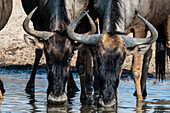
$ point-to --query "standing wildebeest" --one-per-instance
(44, 24)
(118, 16)
(58, 47)
(5, 12)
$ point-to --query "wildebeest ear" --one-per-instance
(139, 50)
(33, 42)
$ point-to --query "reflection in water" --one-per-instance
(138, 106)
(32, 101)
(1, 102)
(159, 105)
(16, 100)
(57, 109)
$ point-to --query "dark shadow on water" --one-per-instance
(19, 69)
(42, 70)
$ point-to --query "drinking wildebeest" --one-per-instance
(5, 12)
(111, 55)
(117, 17)
(28, 6)
(55, 17)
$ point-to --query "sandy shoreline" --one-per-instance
(14, 51)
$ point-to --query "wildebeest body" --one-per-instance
(54, 16)
(123, 13)
(5, 12)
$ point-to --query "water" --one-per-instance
(16, 100)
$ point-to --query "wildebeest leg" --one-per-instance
(168, 36)
(145, 67)
(80, 65)
(137, 65)
(136, 74)
(146, 60)
(95, 64)
(1, 96)
(2, 90)
(84, 68)
(71, 88)
(30, 87)
(2, 87)
(160, 52)
(96, 82)
(89, 70)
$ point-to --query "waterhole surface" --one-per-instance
(16, 100)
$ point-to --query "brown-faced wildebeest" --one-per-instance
(5, 12)
(111, 53)
(58, 49)
(117, 17)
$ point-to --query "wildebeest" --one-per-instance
(117, 17)
(28, 6)
(5, 12)
(55, 16)
(111, 52)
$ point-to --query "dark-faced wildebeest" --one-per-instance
(44, 24)
(5, 12)
(117, 17)
(54, 17)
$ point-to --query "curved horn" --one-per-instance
(132, 42)
(86, 39)
(93, 26)
(41, 34)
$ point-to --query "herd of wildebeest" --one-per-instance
(98, 30)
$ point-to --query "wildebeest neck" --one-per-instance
(61, 12)
(112, 12)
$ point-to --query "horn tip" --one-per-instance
(87, 12)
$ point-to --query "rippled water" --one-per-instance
(16, 100)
